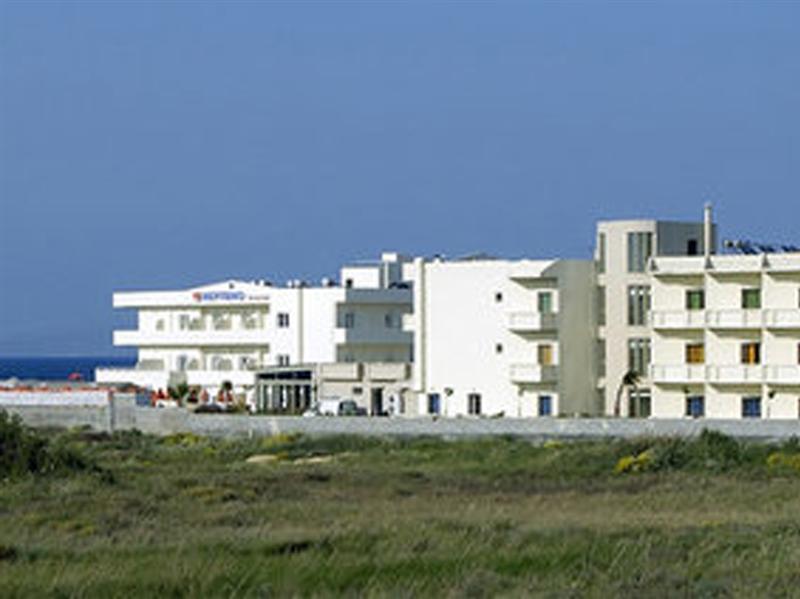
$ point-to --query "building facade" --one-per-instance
(656, 324)
(229, 331)
(726, 336)
(500, 337)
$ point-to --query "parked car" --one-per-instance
(335, 406)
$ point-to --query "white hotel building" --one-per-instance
(231, 330)
(691, 333)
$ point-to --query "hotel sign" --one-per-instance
(218, 296)
(228, 296)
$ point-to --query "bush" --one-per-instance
(25, 452)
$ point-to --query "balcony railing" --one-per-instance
(533, 373)
(734, 319)
(678, 373)
(782, 319)
(783, 374)
(678, 319)
(736, 373)
(531, 321)
(191, 338)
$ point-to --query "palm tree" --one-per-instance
(629, 379)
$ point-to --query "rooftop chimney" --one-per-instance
(708, 230)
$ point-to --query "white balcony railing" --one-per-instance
(191, 338)
(782, 319)
(533, 373)
(678, 319)
(735, 373)
(531, 321)
(783, 374)
(387, 371)
(734, 319)
(341, 371)
(678, 373)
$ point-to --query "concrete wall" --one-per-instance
(125, 416)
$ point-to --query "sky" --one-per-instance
(158, 145)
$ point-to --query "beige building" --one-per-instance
(726, 336)
(624, 295)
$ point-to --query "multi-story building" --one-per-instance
(657, 324)
(726, 336)
(510, 337)
(624, 295)
(228, 331)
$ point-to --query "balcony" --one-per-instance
(341, 371)
(736, 374)
(734, 319)
(785, 374)
(533, 373)
(387, 371)
(186, 338)
(678, 373)
(371, 335)
(531, 322)
(678, 266)
(782, 319)
(677, 319)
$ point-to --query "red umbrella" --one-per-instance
(75, 376)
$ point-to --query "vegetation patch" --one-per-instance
(708, 516)
(24, 451)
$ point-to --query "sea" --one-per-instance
(58, 368)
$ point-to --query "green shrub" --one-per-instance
(24, 452)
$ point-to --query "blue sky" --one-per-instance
(155, 145)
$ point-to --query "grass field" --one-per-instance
(185, 516)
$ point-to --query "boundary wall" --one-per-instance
(122, 413)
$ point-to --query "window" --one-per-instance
(544, 355)
(696, 406)
(283, 320)
(283, 359)
(348, 283)
(183, 322)
(798, 353)
(498, 297)
(601, 253)
(751, 353)
(601, 357)
(388, 320)
(692, 247)
(160, 324)
(638, 355)
(638, 304)
(358, 390)
(434, 403)
(695, 353)
(545, 405)
(601, 305)
(751, 407)
(498, 348)
(349, 320)
(545, 302)
(751, 299)
(474, 403)
(640, 248)
(695, 299)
